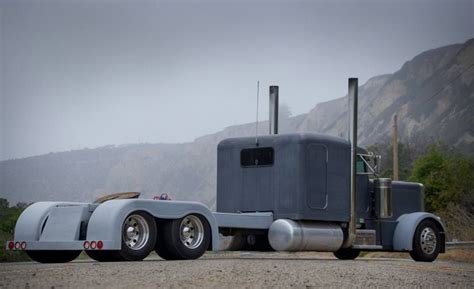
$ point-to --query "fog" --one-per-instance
(78, 74)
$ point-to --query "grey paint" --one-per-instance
(29, 224)
(53, 245)
(64, 223)
(405, 230)
(106, 221)
(244, 220)
(385, 231)
(407, 197)
(294, 187)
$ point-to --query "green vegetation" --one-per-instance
(8, 217)
(448, 178)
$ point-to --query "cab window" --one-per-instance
(360, 165)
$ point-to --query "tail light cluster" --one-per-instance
(93, 245)
(16, 245)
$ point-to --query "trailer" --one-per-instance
(278, 192)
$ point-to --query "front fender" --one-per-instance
(405, 229)
(106, 222)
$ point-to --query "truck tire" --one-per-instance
(426, 242)
(104, 256)
(346, 254)
(160, 246)
(185, 238)
(138, 237)
(53, 256)
(259, 243)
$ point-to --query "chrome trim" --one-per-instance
(353, 103)
(191, 232)
(136, 232)
(273, 120)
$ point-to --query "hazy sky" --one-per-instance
(78, 74)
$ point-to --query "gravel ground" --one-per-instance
(241, 270)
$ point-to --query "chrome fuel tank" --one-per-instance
(288, 235)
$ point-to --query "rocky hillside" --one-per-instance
(433, 95)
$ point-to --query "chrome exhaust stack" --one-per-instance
(353, 103)
(273, 120)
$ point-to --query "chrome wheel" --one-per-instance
(191, 231)
(136, 232)
(428, 240)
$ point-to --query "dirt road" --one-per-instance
(241, 270)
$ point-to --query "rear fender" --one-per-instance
(406, 227)
(106, 222)
(30, 223)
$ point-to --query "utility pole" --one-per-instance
(395, 147)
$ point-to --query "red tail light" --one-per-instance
(86, 245)
(23, 245)
(100, 245)
(11, 245)
(93, 245)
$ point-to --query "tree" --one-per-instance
(448, 178)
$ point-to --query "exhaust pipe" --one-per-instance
(353, 98)
(273, 110)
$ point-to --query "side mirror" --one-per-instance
(372, 161)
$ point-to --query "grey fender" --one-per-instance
(106, 221)
(29, 224)
(405, 229)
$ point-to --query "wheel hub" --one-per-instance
(191, 232)
(135, 232)
(428, 241)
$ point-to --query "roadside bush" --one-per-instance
(8, 217)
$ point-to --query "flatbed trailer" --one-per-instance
(289, 192)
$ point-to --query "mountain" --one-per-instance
(432, 94)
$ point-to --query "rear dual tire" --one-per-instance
(183, 239)
(138, 240)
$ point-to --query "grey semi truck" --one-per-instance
(278, 192)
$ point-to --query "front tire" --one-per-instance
(185, 238)
(426, 242)
(346, 254)
(53, 256)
